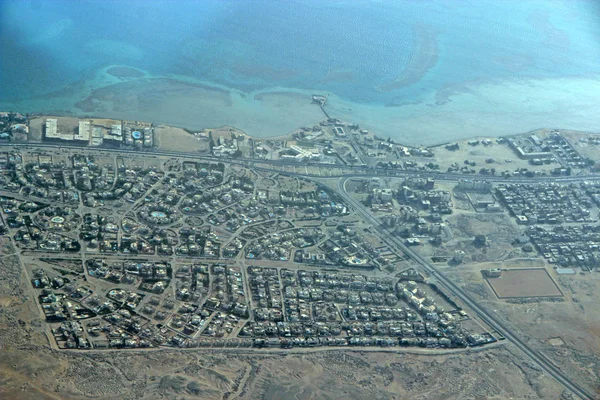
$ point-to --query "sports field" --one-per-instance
(529, 282)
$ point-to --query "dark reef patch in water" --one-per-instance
(125, 72)
(424, 58)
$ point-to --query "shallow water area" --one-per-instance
(420, 72)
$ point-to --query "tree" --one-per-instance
(527, 248)
(480, 240)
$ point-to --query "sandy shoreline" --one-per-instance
(493, 108)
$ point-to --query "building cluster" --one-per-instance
(381, 199)
(547, 203)
(91, 132)
(58, 219)
(102, 232)
(316, 144)
(266, 227)
(13, 126)
(153, 277)
(420, 210)
(158, 214)
(39, 177)
(239, 214)
(279, 246)
(83, 176)
(548, 148)
(226, 147)
(475, 185)
(8, 171)
(198, 241)
(214, 201)
(311, 308)
(564, 151)
(215, 300)
(33, 229)
(422, 194)
(199, 192)
(70, 335)
(561, 219)
(343, 246)
(568, 245)
(590, 139)
(300, 154)
(101, 184)
(58, 306)
(341, 143)
(530, 148)
(192, 282)
(62, 304)
(320, 203)
(135, 133)
(152, 232)
(314, 134)
(210, 302)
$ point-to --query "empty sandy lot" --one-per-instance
(530, 282)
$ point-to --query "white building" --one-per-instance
(84, 132)
(52, 129)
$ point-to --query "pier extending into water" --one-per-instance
(321, 101)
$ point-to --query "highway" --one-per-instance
(360, 171)
(486, 316)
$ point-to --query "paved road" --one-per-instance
(357, 171)
(489, 318)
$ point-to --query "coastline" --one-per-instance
(492, 109)
(480, 108)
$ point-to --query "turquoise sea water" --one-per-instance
(416, 70)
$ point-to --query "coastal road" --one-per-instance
(358, 171)
(486, 316)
